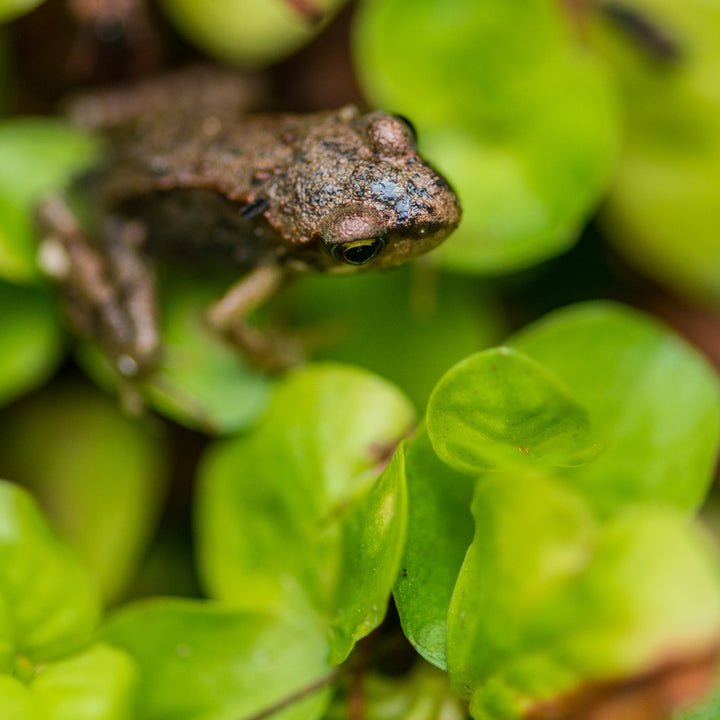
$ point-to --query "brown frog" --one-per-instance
(190, 175)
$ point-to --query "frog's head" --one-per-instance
(395, 207)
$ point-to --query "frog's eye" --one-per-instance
(358, 252)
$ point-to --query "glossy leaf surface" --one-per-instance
(498, 407)
(200, 661)
(440, 530)
(310, 468)
(653, 401)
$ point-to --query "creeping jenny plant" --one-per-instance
(535, 525)
(583, 569)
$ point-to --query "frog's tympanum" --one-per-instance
(271, 195)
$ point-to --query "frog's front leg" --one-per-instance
(108, 290)
(229, 317)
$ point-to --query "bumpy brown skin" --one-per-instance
(277, 188)
(190, 175)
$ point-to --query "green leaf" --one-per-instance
(52, 604)
(202, 383)
(30, 339)
(39, 155)
(520, 117)
(408, 325)
(10, 9)
(499, 407)
(199, 661)
(373, 536)
(548, 603)
(663, 210)
(530, 537)
(16, 700)
(653, 400)
(421, 694)
(439, 532)
(249, 33)
(98, 684)
(286, 512)
(100, 475)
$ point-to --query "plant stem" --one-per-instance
(297, 695)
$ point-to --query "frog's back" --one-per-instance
(276, 187)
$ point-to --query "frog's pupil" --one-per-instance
(360, 254)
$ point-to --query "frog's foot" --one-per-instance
(228, 316)
(108, 296)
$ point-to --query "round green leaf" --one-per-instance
(548, 603)
(439, 532)
(286, 512)
(663, 210)
(199, 661)
(249, 33)
(52, 603)
(100, 475)
(499, 407)
(30, 339)
(98, 684)
(653, 400)
(516, 113)
(38, 155)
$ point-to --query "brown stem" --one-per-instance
(356, 664)
(647, 35)
(298, 695)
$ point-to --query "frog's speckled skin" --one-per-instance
(301, 177)
(189, 174)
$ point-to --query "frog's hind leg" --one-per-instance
(108, 295)
(229, 316)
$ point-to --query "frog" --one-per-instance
(191, 175)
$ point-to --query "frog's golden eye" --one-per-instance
(358, 252)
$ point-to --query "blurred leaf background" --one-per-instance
(583, 139)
